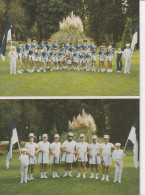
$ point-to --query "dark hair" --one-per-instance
(20, 42)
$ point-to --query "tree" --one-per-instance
(127, 34)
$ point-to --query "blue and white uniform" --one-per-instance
(78, 48)
(76, 57)
(55, 57)
(49, 47)
(82, 58)
(37, 57)
(44, 57)
(101, 56)
(85, 48)
(52, 58)
(93, 56)
(28, 46)
(31, 55)
(19, 51)
(71, 49)
(61, 57)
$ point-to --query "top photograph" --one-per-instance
(69, 48)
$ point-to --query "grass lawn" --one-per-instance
(10, 181)
(70, 83)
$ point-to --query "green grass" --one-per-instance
(70, 83)
(10, 181)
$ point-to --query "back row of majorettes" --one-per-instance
(33, 57)
(69, 152)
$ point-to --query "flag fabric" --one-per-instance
(133, 137)
(7, 37)
(13, 140)
(134, 39)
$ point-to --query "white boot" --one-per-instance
(45, 176)
(65, 174)
(31, 176)
(92, 176)
(28, 177)
(79, 175)
(70, 175)
(97, 176)
(41, 175)
(56, 175)
(107, 177)
(103, 177)
(84, 175)
(53, 174)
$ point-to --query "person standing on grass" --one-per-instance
(119, 62)
(101, 55)
(43, 157)
(19, 50)
(82, 150)
(105, 153)
(55, 150)
(68, 148)
(24, 159)
(127, 56)
(13, 59)
(94, 157)
(109, 57)
(32, 148)
(117, 156)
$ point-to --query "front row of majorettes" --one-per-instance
(72, 152)
(33, 57)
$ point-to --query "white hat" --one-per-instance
(117, 144)
(127, 45)
(70, 134)
(94, 136)
(56, 135)
(24, 149)
(82, 135)
(44, 135)
(106, 137)
(31, 135)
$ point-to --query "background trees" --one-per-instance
(103, 20)
(114, 117)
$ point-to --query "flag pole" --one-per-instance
(126, 144)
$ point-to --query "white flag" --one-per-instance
(134, 39)
(133, 137)
(13, 140)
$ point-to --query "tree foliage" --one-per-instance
(113, 117)
(103, 20)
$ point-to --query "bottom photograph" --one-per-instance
(71, 146)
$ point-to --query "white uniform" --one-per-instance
(24, 159)
(127, 55)
(118, 155)
(13, 58)
(69, 146)
(56, 150)
(31, 149)
(106, 151)
(82, 150)
(94, 150)
(43, 156)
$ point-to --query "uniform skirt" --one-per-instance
(32, 161)
(68, 158)
(83, 157)
(56, 160)
(107, 160)
(95, 160)
(43, 158)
